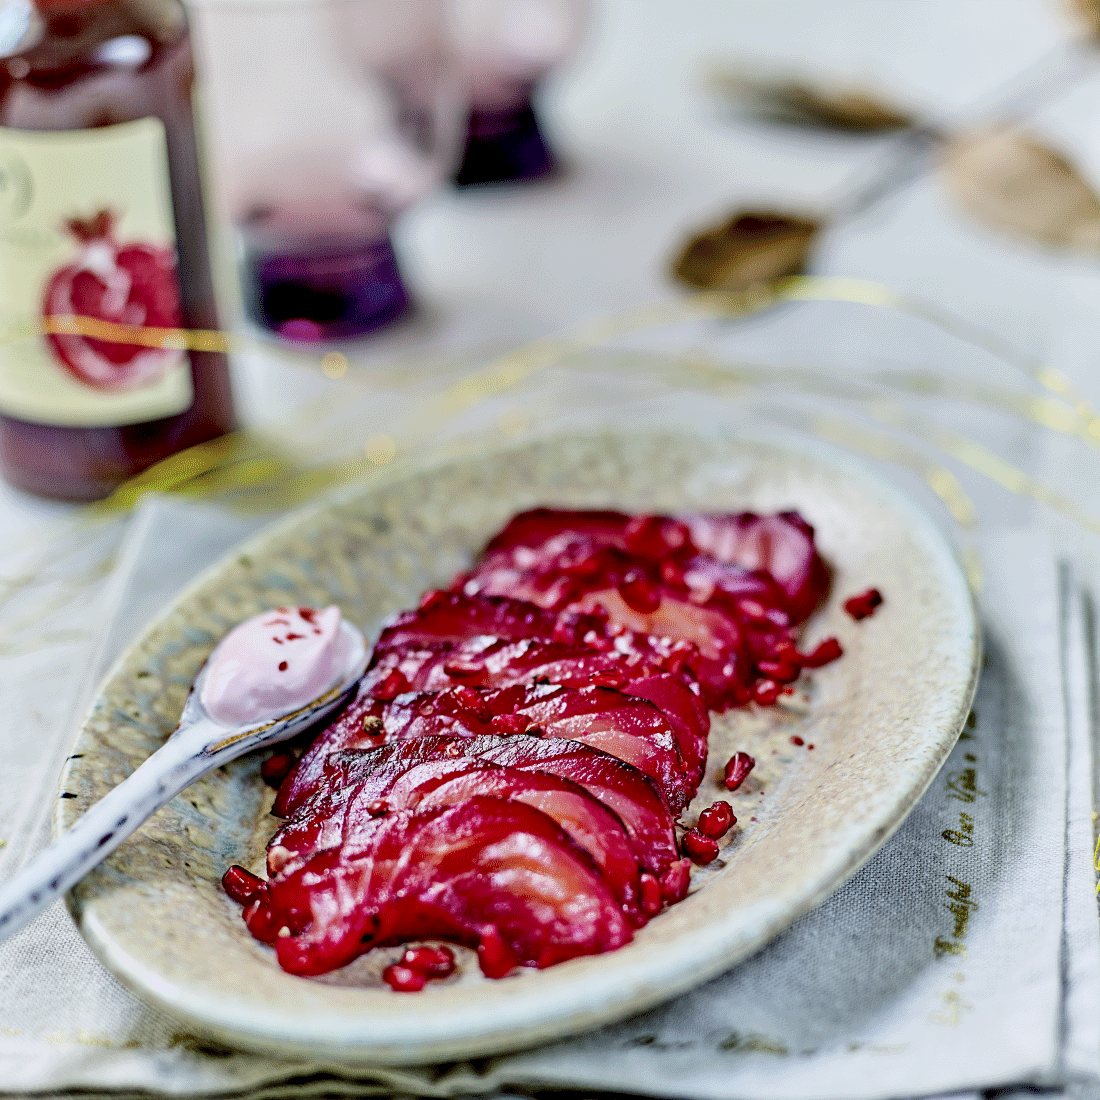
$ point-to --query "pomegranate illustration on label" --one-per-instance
(131, 284)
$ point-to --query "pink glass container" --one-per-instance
(506, 48)
(327, 118)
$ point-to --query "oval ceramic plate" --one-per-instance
(881, 721)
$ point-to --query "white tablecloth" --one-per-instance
(652, 156)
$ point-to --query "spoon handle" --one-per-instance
(176, 764)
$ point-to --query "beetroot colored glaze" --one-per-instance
(508, 774)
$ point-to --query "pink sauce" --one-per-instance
(274, 664)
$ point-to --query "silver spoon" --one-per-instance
(197, 745)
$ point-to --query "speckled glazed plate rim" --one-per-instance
(680, 950)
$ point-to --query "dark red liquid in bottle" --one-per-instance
(85, 64)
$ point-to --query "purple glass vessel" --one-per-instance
(504, 144)
(324, 290)
(346, 114)
(507, 47)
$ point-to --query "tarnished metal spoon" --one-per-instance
(197, 745)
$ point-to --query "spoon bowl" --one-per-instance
(197, 745)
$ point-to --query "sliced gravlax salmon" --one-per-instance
(453, 617)
(633, 728)
(507, 776)
(491, 873)
(624, 789)
(393, 698)
(356, 787)
(489, 662)
(692, 612)
(649, 536)
(586, 820)
(781, 545)
(369, 721)
(372, 774)
(720, 660)
(538, 525)
(323, 823)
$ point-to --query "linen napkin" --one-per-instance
(964, 955)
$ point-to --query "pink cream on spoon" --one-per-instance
(274, 664)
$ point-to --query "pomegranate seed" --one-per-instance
(652, 897)
(676, 880)
(453, 748)
(716, 820)
(509, 725)
(472, 701)
(699, 848)
(277, 767)
(829, 650)
(765, 692)
(402, 979)
(737, 770)
(782, 672)
(378, 808)
(863, 605)
(393, 684)
(494, 956)
(638, 593)
(241, 885)
(574, 626)
(741, 694)
(796, 740)
(432, 962)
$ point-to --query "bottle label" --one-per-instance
(88, 254)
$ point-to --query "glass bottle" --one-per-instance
(101, 217)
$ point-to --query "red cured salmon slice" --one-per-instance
(486, 870)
